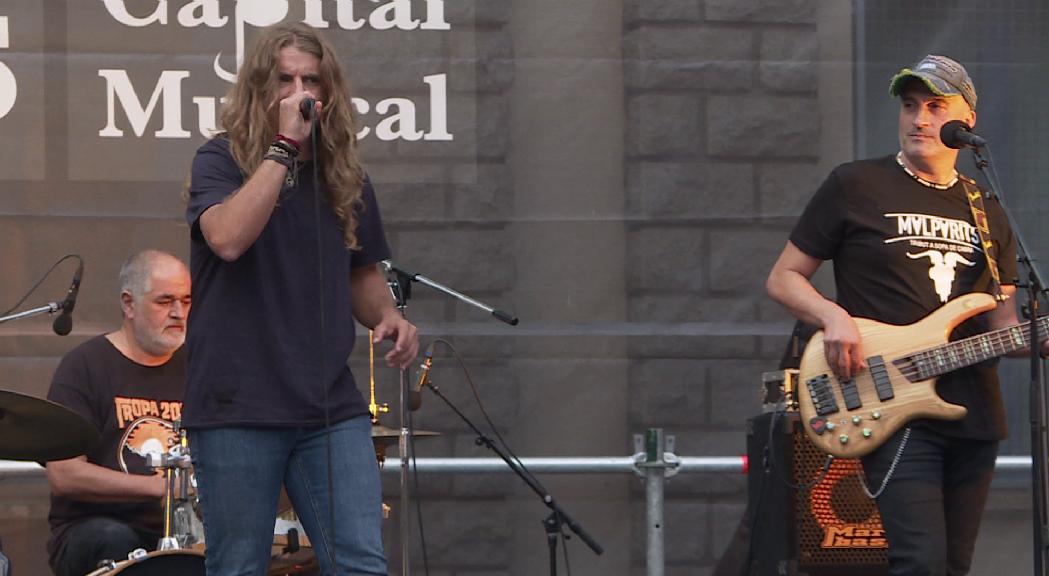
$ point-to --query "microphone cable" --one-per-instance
(769, 464)
(415, 490)
(315, 158)
(520, 466)
(423, 381)
(36, 285)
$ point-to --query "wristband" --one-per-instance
(280, 156)
(293, 142)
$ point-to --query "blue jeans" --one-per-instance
(239, 472)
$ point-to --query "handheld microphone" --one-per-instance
(957, 134)
(306, 108)
(63, 323)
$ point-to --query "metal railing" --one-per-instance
(653, 460)
(10, 469)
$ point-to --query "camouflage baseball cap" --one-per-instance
(943, 76)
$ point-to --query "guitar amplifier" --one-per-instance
(801, 526)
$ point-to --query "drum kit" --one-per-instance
(181, 549)
(33, 429)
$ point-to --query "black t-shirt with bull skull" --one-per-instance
(902, 249)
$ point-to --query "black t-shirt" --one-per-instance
(255, 339)
(901, 250)
(133, 407)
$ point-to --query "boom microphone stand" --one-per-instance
(553, 524)
(49, 308)
(404, 276)
(63, 324)
(1035, 286)
(401, 287)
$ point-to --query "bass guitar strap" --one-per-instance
(983, 228)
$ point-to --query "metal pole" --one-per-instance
(654, 460)
(654, 478)
(15, 470)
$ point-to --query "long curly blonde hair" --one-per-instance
(250, 122)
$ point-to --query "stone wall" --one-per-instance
(623, 176)
(723, 146)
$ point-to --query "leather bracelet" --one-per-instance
(282, 160)
(280, 156)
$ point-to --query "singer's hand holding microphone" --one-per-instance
(296, 115)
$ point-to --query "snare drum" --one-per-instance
(159, 563)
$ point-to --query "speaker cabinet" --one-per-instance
(802, 523)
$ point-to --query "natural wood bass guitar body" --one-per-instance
(851, 418)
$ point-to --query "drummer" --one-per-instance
(129, 383)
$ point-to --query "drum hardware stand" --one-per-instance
(176, 463)
(401, 287)
(552, 524)
(109, 565)
(293, 541)
(375, 408)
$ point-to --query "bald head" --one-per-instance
(136, 275)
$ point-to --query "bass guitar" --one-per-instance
(850, 418)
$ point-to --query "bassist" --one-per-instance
(900, 231)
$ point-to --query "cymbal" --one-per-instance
(383, 436)
(36, 429)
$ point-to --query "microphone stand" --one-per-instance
(553, 524)
(400, 283)
(66, 304)
(50, 308)
(401, 289)
(1035, 288)
(405, 276)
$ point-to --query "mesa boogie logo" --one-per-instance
(864, 528)
(139, 103)
(850, 536)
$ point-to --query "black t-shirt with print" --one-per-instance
(901, 250)
(133, 406)
(258, 353)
